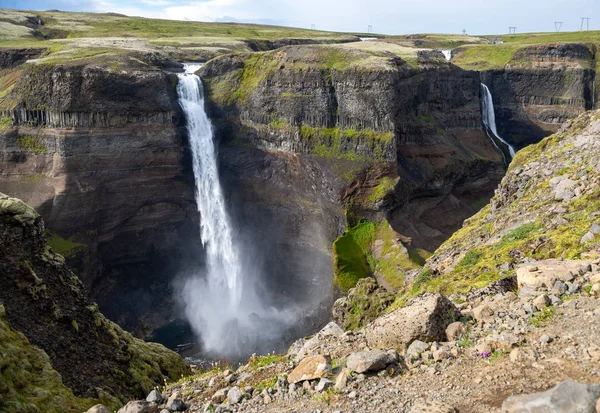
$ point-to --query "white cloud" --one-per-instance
(157, 2)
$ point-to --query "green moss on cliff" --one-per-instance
(350, 254)
(32, 144)
(381, 190)
(62, 246)
(336, 143)
(28, 383)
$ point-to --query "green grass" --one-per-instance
(465, 341)
(262, 361)
(32, 144)
(65, 247)
(5, 123)
(381, 190)
(350, 252)
(543, 317)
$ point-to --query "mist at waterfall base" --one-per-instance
(225, 302)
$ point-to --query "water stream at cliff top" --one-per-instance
(489, 120)
(222, 309)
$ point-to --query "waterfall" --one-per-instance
(489, 120)
(221, 304)
(447, 54)
(216, 233)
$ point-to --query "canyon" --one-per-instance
(336, 160)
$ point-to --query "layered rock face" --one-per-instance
(425, 120)
(46, 302)
(98, 152)
(542, 87)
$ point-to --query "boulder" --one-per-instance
(155, 397)
(455, 331)
(176, 405)
(139, 407)
(423, 318)
(370, 361)
(342, 379)
(310, 368)
(219, 396)
(483, 312)
(567, 397)
(99, 408)
(234, 395)
(416, 348)
(547, 272)
(541, 302)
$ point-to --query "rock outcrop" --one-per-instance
(99, 154)
(48, 306)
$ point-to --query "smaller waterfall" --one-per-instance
(447, 54)
(489, 120)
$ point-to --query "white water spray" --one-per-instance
(447, 54)
(222, 310)
(489, 120)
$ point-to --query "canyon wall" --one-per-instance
(310, 137)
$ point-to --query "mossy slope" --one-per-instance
(528, 217)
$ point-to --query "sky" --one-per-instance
(385, 16)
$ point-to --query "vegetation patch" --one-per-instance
(350, 252)
(262, 361)
(33, 144)
(381, 190)
(65, 247)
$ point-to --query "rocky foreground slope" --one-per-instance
(533, 331)
(58, 352)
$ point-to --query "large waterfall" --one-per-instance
(221, 303)
(489, 120)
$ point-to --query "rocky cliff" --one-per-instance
(49, 326)
(95, 147)
(540, 88)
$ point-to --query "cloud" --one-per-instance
(156, 2)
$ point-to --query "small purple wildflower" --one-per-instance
(485, 354)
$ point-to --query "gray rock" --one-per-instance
(176, 405)
(220, 396)
(139, 407)
(282, 383)
(416, 348)
(546, 339)
(155, 397)
(595, 229)
(559, 288)
(541, 302)
(423, 318)
(554, 300)
(369, 361)
(235, 395)
(573, 287)
(324, 384)
(567, 397)
(587, 237)
(99, 408)
(565, 189)
(455, 331)
(342, 379)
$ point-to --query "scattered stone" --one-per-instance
(423, 318)
(546, 339)
(595, 229)
(324, 384)
(176, 405)
(567, 397)
(139, 407)
(595, 290)
(554, 300)
(417, 348)
(282, 383)
(455, 331)
(310, 368)
(441, 354)
(587, 237)
(235, 395)
(352, 395)
(370, 361)
(432, 407)
(548, 270)
(342, 379)
(541, 302)
(220, 396)
(505, 340)
(99, 408)
(155, 397)
(483, 312)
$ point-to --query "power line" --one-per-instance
(587, 23)
(512, 30)
(557, 26)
